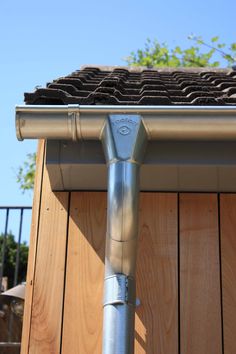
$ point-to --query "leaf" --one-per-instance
(229, 58)
(221, 45)
(26, 173)
(215, 64)
(178, 50)
(215, 39)
(233, 46)
(200, 41)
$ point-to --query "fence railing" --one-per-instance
(17, 221)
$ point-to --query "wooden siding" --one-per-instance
(85, 272)
(200, 306)
(33, 247)
(228, 255)
(186, 272)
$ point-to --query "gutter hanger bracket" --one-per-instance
(73, 122)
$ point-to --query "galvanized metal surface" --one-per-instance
(161, 122)
(119, 289)
(9, 344)
(124, 146)
(118, 338)
(167, 166)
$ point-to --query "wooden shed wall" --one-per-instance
(186, 272)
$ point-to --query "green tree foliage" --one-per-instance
(200, 54)
(10, 259)
(26, 173)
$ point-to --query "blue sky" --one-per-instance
(40, 41)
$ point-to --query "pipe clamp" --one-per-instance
(119, 289)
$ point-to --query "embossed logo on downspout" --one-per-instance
(124, 125)
(124, 121)
(124, 130)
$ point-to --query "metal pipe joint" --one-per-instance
(119, 289)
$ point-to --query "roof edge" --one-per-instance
(139, 69)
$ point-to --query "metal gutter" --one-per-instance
(75, 122)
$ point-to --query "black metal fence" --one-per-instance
(17, 213)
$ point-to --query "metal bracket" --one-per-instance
(119, 289)
(73, 120)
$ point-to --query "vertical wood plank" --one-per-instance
(46, 321)
(32, 248)
(157, 269)
(82, 328)
(157, 317)
(200, 301)
(228, 257)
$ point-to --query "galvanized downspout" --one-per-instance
(124, 145)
